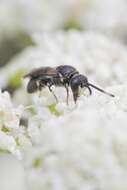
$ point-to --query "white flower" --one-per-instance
(9, 116)
(12, 134)
(85, 148)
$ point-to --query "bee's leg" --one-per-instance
(75, 92)
(67, 90)
(39, 88)
(50, 89)
(90, 91)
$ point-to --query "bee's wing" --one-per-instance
(50, 71)
(42, 71)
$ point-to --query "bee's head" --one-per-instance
(76, 82)
(79, 81)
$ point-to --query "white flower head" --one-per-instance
(10, 129)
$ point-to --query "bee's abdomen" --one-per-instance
(32, 86)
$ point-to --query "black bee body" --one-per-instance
(72, 78)
(63, 76)
(66, 72)
(42, 77)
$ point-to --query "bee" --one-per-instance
(62, 76)
(72, 78)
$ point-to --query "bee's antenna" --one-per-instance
(101, 90)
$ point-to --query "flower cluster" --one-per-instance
(54, 146)
(82, 148)
(79, 146)
(12, 134)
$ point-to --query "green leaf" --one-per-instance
(52, 108)
(17, 141)
(3, 151)
(16, 79)
(5, 129)
(37, 162)
(72, 24)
